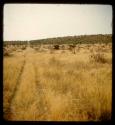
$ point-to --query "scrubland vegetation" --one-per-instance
(58, 82)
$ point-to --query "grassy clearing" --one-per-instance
(62, 86)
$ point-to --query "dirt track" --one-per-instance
(26, 83)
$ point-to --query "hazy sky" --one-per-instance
(36, 21)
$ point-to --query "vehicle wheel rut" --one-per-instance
(8, 112)
(25, 92)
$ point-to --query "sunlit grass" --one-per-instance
(61, 87)
(10, 78)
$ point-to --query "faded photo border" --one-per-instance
(103, 2)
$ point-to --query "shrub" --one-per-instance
(23, 48)
(6, 52)
(72, 48)
(98, 57)
(56, 47)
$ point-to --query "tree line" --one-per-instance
(87, 39)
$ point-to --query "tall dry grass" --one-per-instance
(11, 74)
(62, 87)
(77, 90)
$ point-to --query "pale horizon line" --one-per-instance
(60, 36)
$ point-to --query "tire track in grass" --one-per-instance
(8, 112)
(18, 80)
(23, 105)
(27, 102)
(41, 105)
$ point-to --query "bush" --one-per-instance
(98, 57)
(6, 52)
(56, 47)
(23, 48)
(72, 48)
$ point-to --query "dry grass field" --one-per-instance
(58, 85)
